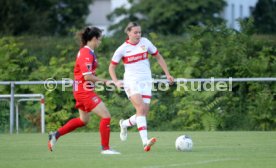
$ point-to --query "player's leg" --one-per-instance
(131, 121)
(84, 103)
(104, 128)
(70, 126)
(142, 108)
(130, 88)
(141, 121)
(146, 95)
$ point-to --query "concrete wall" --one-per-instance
(236, 9)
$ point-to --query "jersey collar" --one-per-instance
(131, 43)
(89, 48)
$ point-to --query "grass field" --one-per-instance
(81, 150)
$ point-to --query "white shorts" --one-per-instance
(142, 87)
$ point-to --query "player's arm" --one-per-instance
(113, 64)
(113, 75)
(155, 53)
(86, 67)
(163, 65)
(92, 78)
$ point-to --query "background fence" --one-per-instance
(30, 97)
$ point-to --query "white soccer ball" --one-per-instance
(184, 143)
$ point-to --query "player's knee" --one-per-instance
(106, 114)
(85, 119)
(146, 108)
(141, 110)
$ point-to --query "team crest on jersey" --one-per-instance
(89, 66)
(143, 47)
(95, 99)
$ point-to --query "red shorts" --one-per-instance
(87, 101)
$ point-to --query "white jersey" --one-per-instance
(135, 59)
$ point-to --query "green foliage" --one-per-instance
(29, 116)
(210, 121)
(169, 18)
(15, 61)
(264, 16)
(262, 107)
(59, 102)
(4, 115)
(216, 52)
(47, 17)
(204, 52)
(18, 65)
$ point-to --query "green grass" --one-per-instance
(81, 150)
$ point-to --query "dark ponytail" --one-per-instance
(88, 33)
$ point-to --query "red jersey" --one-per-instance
(86, 63)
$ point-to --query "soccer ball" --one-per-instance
(183, 143)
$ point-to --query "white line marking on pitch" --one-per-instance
(195, 163)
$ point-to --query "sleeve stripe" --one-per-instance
(86, 73)
(146, 96)
(113, 62)
(154, 54)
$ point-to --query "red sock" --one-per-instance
(105, 132)
(70, 126)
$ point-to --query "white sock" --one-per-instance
(130, 122)
(142, 128)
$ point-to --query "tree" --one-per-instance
(169, 17)
(264, 16)
(42, 17)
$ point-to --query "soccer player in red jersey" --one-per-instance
(87, 101)
(137, 79)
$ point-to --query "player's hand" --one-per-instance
(170, 79)
(119, 84)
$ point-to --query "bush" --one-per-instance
(204, 52)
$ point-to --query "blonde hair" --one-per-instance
(130, 25)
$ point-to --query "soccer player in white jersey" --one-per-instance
(137, 79)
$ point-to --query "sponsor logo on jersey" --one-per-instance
(135, 58)
(89, 66)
